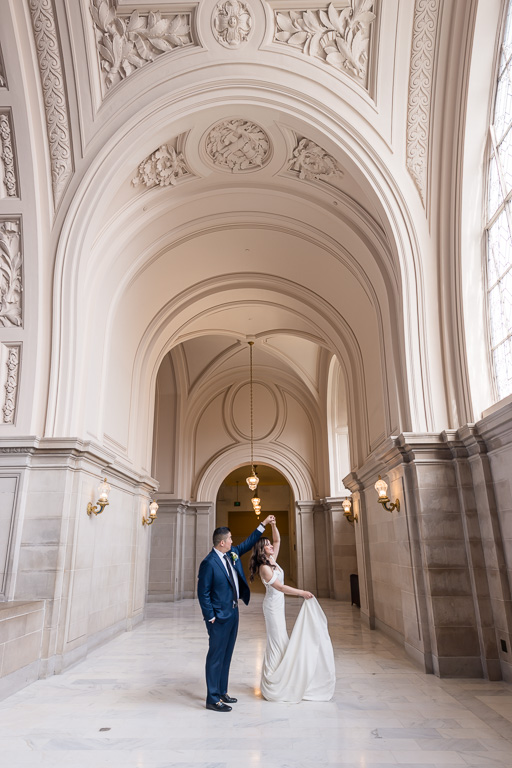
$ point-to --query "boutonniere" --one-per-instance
(234, 556)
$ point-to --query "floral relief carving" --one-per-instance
(126, 44)
(426, 15)
(237, 145)
(339, 35)
(232, 23)
(10, 274)
(11, 384)
(162, 168)
(313, 162)
(8, 186)
(54, 95)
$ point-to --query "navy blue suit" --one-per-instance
(217, 601)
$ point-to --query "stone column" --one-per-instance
(167, 552)
(341, 542)
(306, 567)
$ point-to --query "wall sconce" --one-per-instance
(153, 509)
(347, 506)
(382, 489)
(103, 490)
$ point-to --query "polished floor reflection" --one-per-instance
(139, 702)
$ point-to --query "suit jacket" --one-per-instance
(214, 589)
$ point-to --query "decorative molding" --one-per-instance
(127, 42)
(11, 382)
(339, 37)
(3, 79)
(314, 163)
(54, 94)
(231, 23)
(426, 17)
(162, 168)
(237, 145)
(8, 184)
(10, 274)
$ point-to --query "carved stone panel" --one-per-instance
(10, 274)
(237, 145)
(339, 35)
(313, 162)
(426, 15)
(127, 42)
(231, 23)
(54, 94)
(10, 355)
(162, 168)
(8, 181)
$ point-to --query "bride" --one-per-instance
(302, 666)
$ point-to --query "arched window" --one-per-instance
(499, 221)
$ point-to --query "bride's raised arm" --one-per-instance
(269, 576)
(276, 539)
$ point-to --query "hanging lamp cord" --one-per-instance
(251, 344)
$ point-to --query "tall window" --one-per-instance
(499, 221)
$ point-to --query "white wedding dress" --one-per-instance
(302, 666)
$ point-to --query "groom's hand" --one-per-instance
(270, 519)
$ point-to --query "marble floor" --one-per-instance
(138, 702)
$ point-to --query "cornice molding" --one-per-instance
(54, 94)
(426, 17)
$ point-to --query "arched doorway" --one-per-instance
(234, 509)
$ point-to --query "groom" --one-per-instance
(221, 582)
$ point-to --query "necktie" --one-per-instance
(231, 577)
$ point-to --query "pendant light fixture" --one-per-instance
(253, 479)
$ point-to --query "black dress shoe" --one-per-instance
(228, 699)
(219, 706)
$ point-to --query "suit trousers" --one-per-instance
(222, 636)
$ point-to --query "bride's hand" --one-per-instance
(307, 595)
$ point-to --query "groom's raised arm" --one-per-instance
(251, 540)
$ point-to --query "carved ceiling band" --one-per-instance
(237, 145)
(11, 384)
(8, 183)
(339, 35)
(231, 23)
(54, 94)
(10, 274)
(127, 43)
(314, 163)
(426, 16)
(162, 168)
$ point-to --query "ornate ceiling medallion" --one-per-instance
(126, 44)
(313, 162)
(237, 145)
(163, 168)
(231, 23)
(338, 36)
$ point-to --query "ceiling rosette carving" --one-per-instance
(339, 35)
(231, 23)
(237, 145)
(314, 163)
(10, 274)
(162, 168)
(127, 43)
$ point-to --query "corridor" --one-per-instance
(138, 702)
